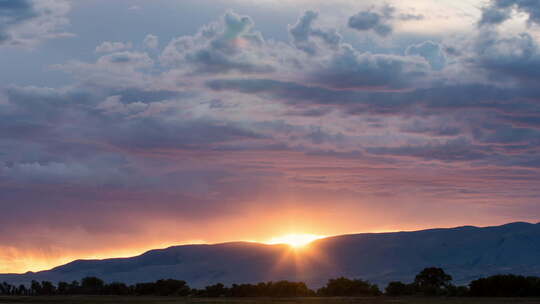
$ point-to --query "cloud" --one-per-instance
(370, 21)
(229, 45)
(151, 41)
(26, 23)
(409, 17)
(499, 11)
(109, 47)
(493, 15)
(12, 13)
(113, 105)
(459, 149)
(128, 59)
(219, 124)
(380, 20)
(435, 127)
(303, 32)
(431, 51)
(431, 100)
(117, 70)
(517, 56)
(348, 68)
(149, 133)
(55, 173)
(507, 134)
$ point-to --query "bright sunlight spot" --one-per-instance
(295, 240)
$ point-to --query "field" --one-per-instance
(170, 300)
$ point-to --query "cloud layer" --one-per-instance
(27, 22)
(340, 122)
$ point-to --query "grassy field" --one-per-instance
(170, 300)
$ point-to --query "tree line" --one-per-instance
(431, 281)
(434, 281)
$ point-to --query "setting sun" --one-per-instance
(295, 240)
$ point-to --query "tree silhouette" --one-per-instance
(171, 287)
(47, 288)
(92, 285)
(432, 281)
(214, 291)
(116, 288)
(288, 289)
(344, 287)
(399, 289)
(506, 286)
(6, 289)
(22, 290)
(35, 288)
(63, 288)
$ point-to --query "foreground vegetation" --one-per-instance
(304, 300)
(431, 282)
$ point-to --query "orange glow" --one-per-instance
(295, 240)
(284, 224)
(240, 43)
(21, 261)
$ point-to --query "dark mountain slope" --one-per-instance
(465, 252)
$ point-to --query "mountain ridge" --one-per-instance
(466, 252)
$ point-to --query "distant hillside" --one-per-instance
(465, 252)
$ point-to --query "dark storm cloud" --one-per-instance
(433, 99)
(472, 115)
(349, 69)
(25, 22)
(494, 15)
(516, 56)
(492, 150)
(152, 133)
(292, 93)
(499, 11)
(109, 121)
(13, 12)
(380, 20)
(128, 58)
(369, 20)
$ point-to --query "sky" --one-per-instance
(129, 125)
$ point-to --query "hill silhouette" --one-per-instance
(467, 252)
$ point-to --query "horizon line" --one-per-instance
(265, 244)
